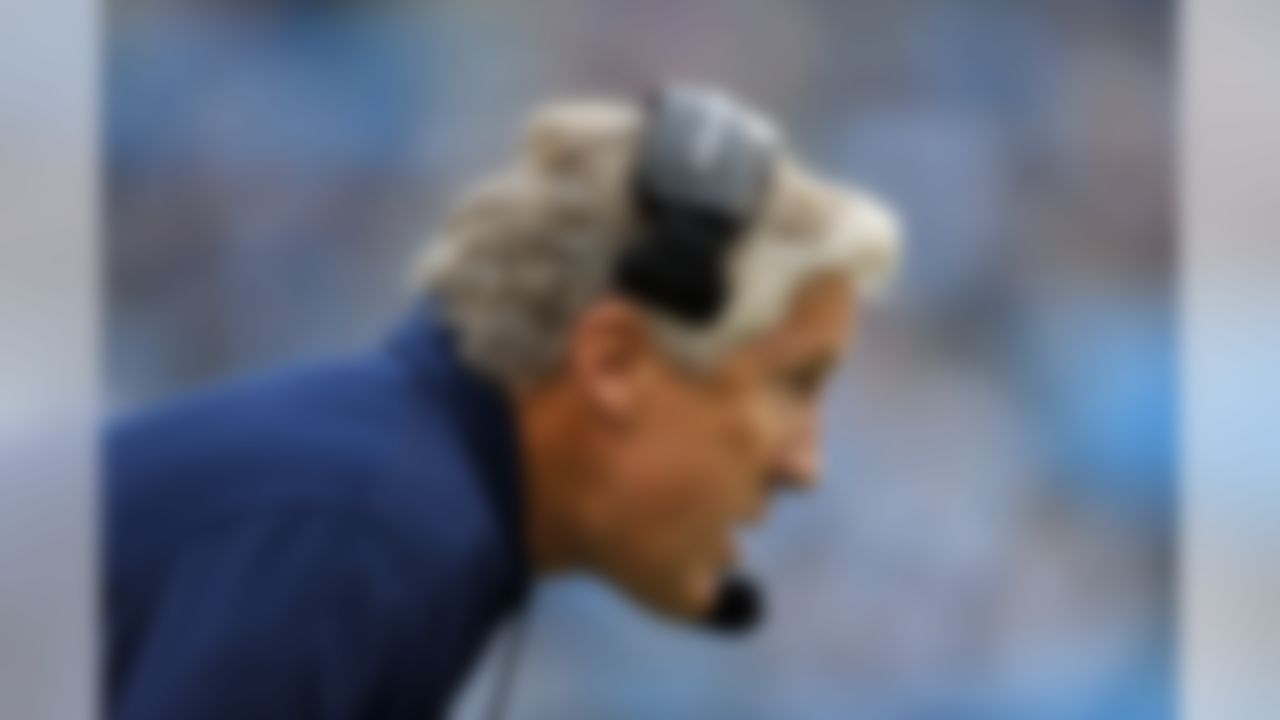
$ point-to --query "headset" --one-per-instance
(703, 170)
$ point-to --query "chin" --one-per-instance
(685, 597)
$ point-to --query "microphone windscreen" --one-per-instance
(739, 606)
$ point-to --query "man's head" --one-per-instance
(648, 438)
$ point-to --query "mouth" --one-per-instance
(756, 515)
(723, 551)
(730, 548)
(732, 539)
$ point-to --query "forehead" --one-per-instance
(819, 321)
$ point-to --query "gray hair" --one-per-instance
(530, 248)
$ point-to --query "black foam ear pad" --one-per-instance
(702, 171)
(738, 608)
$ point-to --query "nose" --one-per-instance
(800, 462)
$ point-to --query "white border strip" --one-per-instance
(1230, 201)
(48, 359)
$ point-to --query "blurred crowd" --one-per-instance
(993, 538)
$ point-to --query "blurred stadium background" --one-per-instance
(993, 538)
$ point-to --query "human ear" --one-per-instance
(610, 357)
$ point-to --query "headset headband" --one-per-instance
(703, 169)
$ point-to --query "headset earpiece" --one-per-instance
(702, 172)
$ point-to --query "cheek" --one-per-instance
(710, 459)
(684, 469)
(759, 427)
(745, 439)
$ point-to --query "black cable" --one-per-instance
(504, 674)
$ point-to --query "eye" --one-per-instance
(805, 382)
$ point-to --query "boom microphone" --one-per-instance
(738, 608)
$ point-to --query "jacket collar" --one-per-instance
(482, 412)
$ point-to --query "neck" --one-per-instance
(558, 487)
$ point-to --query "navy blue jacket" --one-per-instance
(332, 542)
